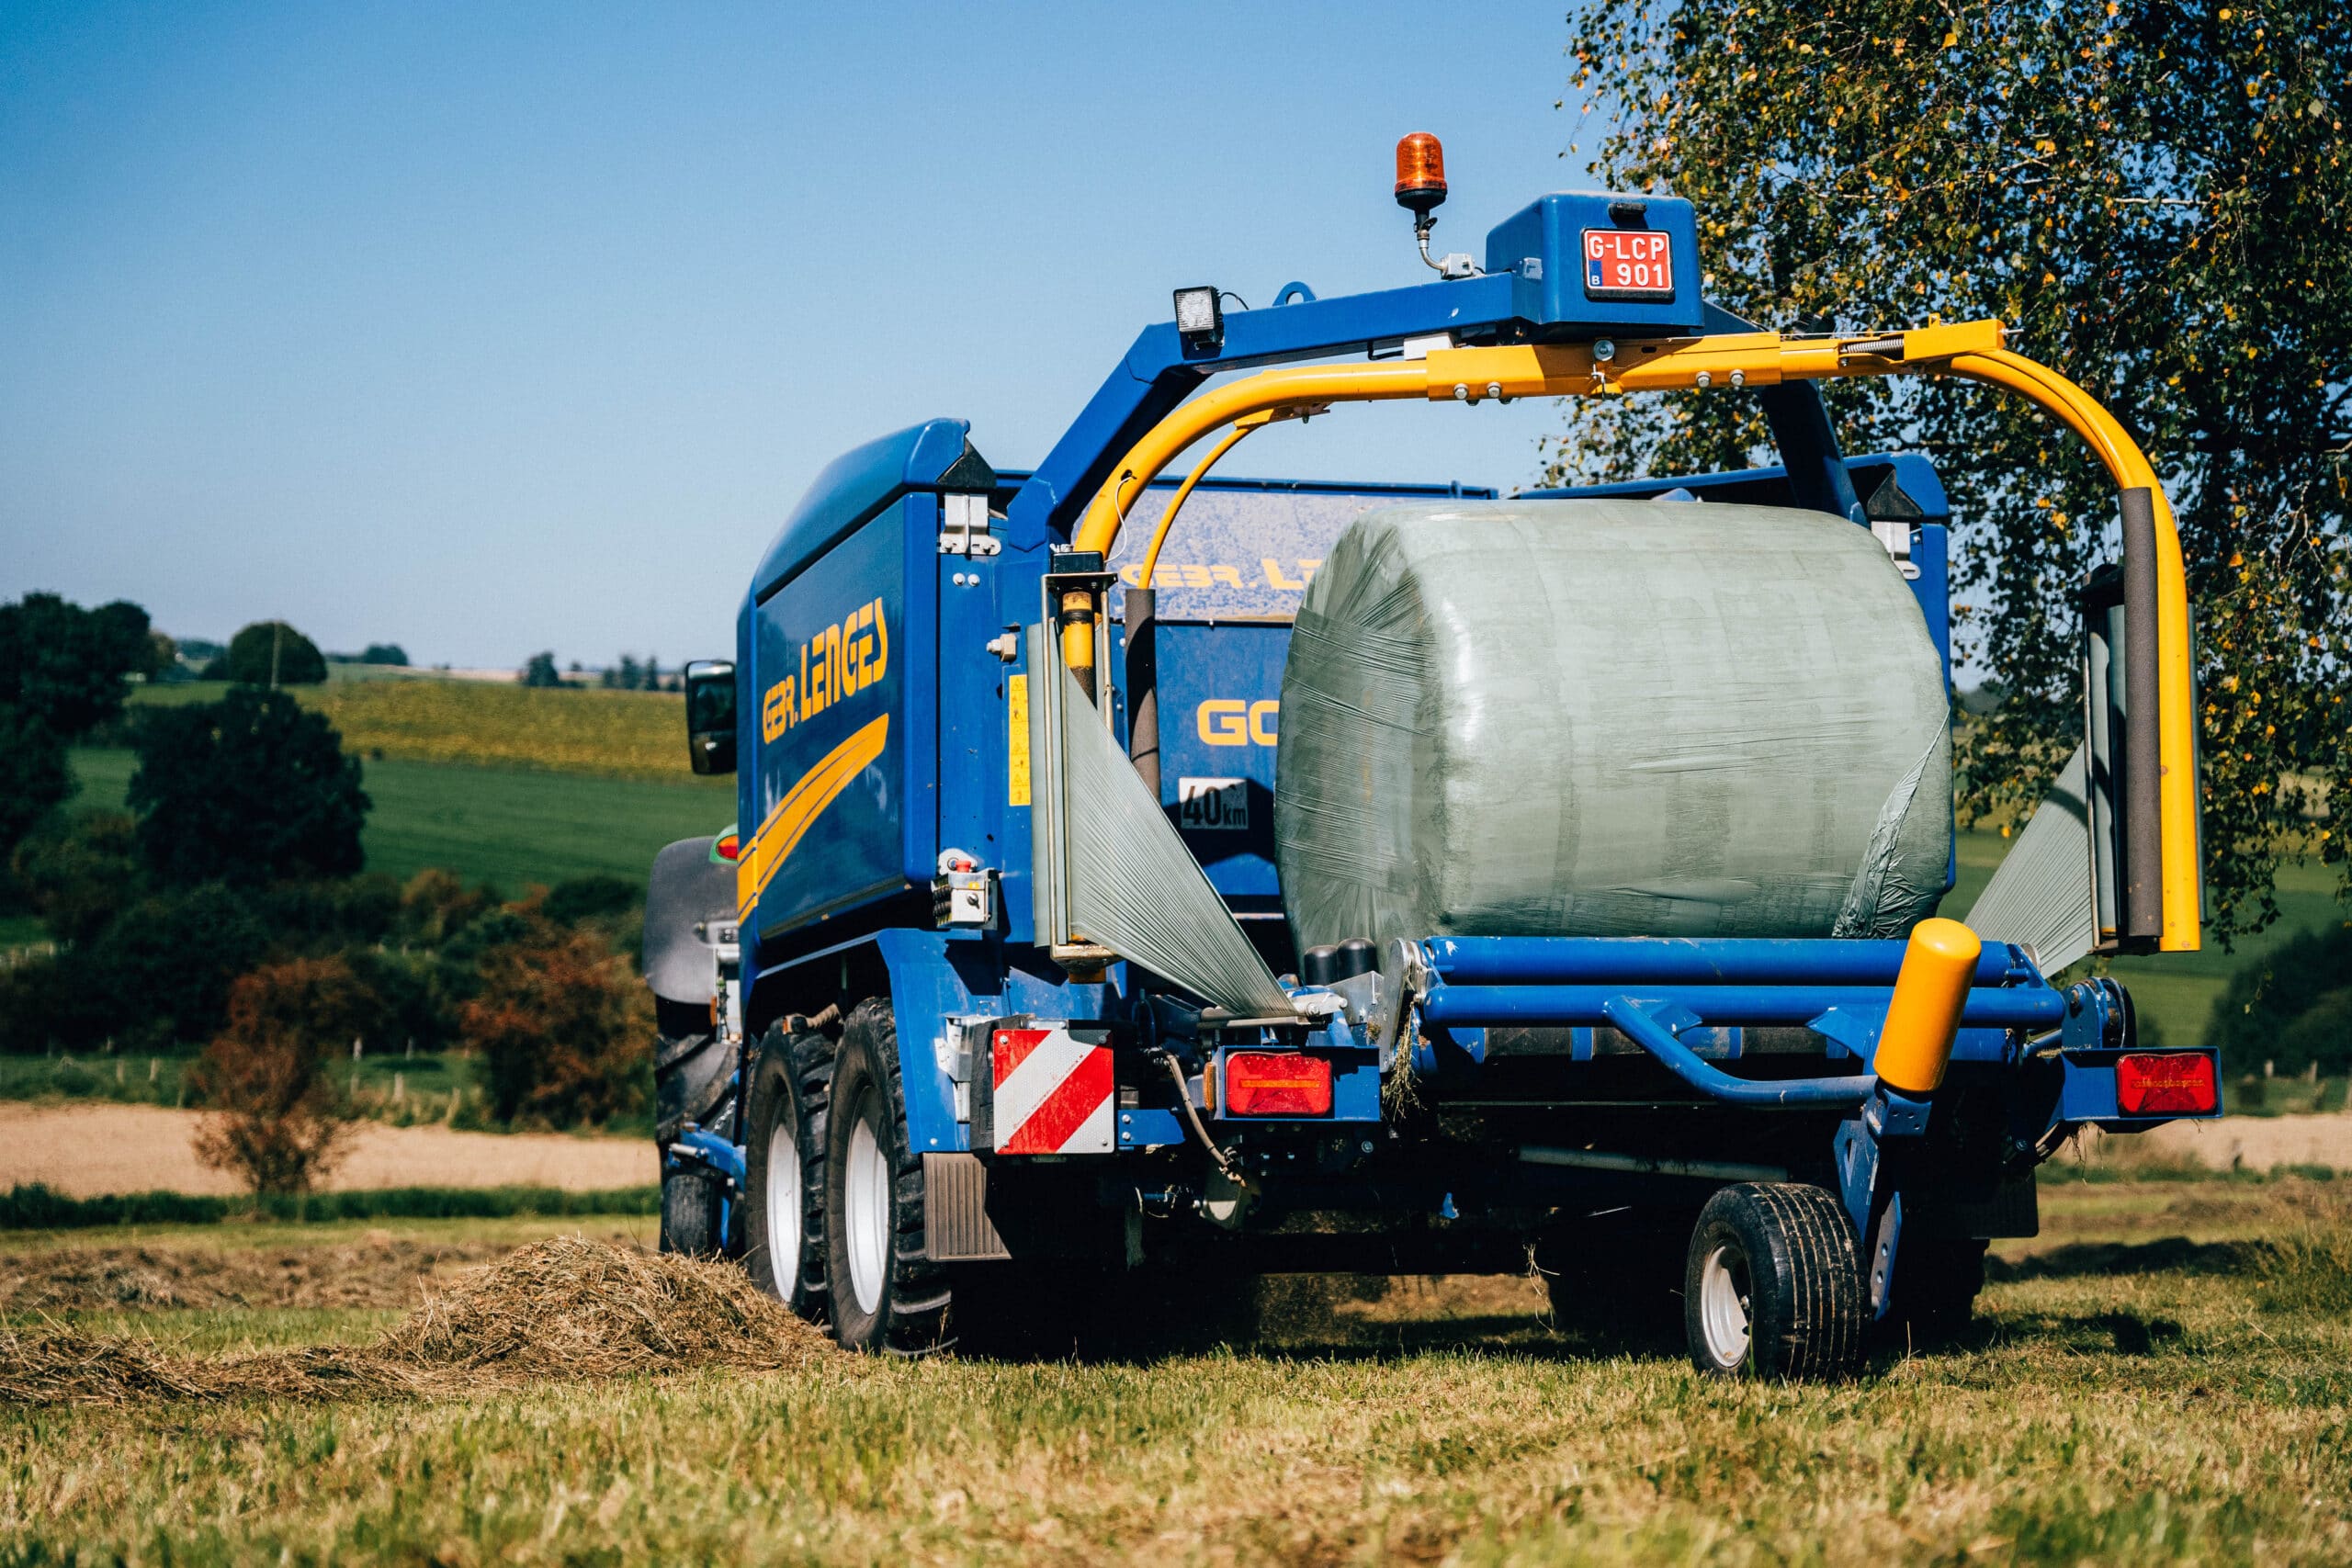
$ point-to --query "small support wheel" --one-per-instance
(1774, 1285)
(784, 1170)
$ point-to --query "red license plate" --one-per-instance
(1627, 263)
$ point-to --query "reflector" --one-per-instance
(2168, 1084)
(1276, 1083)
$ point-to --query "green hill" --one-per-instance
(505, 826)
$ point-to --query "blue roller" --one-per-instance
(1469, 1006)
(1690, 961)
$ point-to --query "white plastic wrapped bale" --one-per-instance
(1610, 718)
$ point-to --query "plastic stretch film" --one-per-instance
(2042, 896)
(1610, 718)
(1134, 887)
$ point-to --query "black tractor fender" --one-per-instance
(689, 896)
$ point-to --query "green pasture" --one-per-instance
(2177, 991)
(507, 826)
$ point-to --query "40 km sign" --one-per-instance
(1212, 804)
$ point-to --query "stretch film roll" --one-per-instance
(2041, 896)
(1610, 718)
(1134, 887)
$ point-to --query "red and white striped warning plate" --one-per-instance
(1054, 1092)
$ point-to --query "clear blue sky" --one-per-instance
(489, 328)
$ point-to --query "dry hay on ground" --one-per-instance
(379, 1272)
(565, 1308)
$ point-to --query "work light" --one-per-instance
(1200, 318)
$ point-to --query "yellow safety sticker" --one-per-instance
(1016, 709)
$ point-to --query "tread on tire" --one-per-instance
(1780, 1256)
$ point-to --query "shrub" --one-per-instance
(78, 871)
(281, 1117)
(2320, 1035)
(319, 917)
(587, 897)
(57, 1003)
(249, 789)
(271, 653)
(2252, 1019)
(436, 906)
(565, 1031)
(165, 965)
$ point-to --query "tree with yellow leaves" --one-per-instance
(2156, 197)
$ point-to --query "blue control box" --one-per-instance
(1585, 264)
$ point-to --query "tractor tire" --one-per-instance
(1774, 1285)
(693, 1081)
(888, 1296)
(1936, 1285)
(784, 1170)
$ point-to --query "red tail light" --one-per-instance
(2182, 1085)
(728, 847)
(1276, 1083)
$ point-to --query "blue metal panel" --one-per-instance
(812, 688)
(853, 488)
(1221, 714)
(917, 771)
(1541, 249)
(973, 779)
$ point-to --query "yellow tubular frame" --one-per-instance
(1971, 350)
(1241, 428)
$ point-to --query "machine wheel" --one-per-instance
(784, 1170)
(689, 1215)
(1935, 1284)
(886, 1294)
(1773, 1288)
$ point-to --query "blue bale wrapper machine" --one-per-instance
(1031, 1004)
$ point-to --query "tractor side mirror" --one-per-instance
(710, 715)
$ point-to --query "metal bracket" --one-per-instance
(964, 526)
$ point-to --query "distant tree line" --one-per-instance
(627, 675)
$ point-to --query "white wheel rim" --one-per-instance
(1723, 1307)
(865, 1213)
(784, 1204)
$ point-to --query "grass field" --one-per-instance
(2143, 1386)
(508, 827)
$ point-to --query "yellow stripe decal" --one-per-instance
(800, 807)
